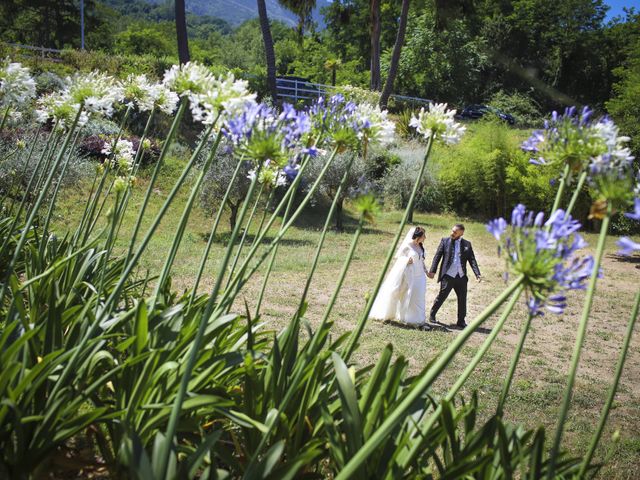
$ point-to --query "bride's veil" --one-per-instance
(385, 302)
(408, 238)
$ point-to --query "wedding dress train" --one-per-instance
(402, 294)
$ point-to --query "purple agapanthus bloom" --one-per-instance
(635, 215)
(627, 246)
(546, 253)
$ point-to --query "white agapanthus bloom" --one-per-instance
(123, 154)
(16, 85)
(163, 98)
(189, 79)
(225, 94)
(136, 92)
(440, 122)
(95, 91)
(376, 128)
(59, 108)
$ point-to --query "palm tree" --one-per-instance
(269, 53)
(332, 65)
(302, 9)
(374, 11)
(395, 55)
(181, 30)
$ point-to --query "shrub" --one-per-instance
(17, 168)
(524, 108)
(488, 173)
(356, 180)
(399, 180)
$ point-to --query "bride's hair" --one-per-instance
(417, 233)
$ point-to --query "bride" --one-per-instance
(402, 295)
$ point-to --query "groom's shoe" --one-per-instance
(461, 324)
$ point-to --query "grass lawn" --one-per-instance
(538, 386)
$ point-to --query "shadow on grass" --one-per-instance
(223, 238)
(622, 258)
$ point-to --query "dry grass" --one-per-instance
(537, 391)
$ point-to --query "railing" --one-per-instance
(295, 90)
(52, 54)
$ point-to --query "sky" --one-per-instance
(618, 5)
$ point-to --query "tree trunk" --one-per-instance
(375, 45)
(181, 30)
(268, 50)
(339, 224)
(395, 56)
(233, 214)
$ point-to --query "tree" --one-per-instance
(302, 9)
(395, 56)
(181, 30)
(269, 52)
(328, 187)
(374, 12)
(217, 180)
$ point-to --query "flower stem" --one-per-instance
(325, 228)
(612, 392)
(355, 336)
(582, 328)
(576, 192)
(5, 117)
(245, 233)
(274, 253)
(561, 187)
(163, 153)
(36, 207)
(182, 225)
(512, 368)
(398, 414)
(425, 427)
(212, 234)
(164, 451)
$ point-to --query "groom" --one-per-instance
(454, 253)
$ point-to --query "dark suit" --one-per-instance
(445, 256)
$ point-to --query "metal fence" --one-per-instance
(294, 90)
(51, 54)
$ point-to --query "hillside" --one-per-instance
(237, 11)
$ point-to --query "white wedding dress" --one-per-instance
(402, 294)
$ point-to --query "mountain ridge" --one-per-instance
(236, 12)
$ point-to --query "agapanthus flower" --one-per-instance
(545, 253)
(16, 84)
(136, 92)
(572, 138)
(61, 109)
(438, 121)
(627, 246)
(635, 215)
(122, 154)
(162, 98)
(189, 80)
(224, 94)
(269, 176)
(262, 134)
(335, 121)
(375, 127)
(95, 91)
(611, 172)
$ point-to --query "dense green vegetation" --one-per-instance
(460, 52)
